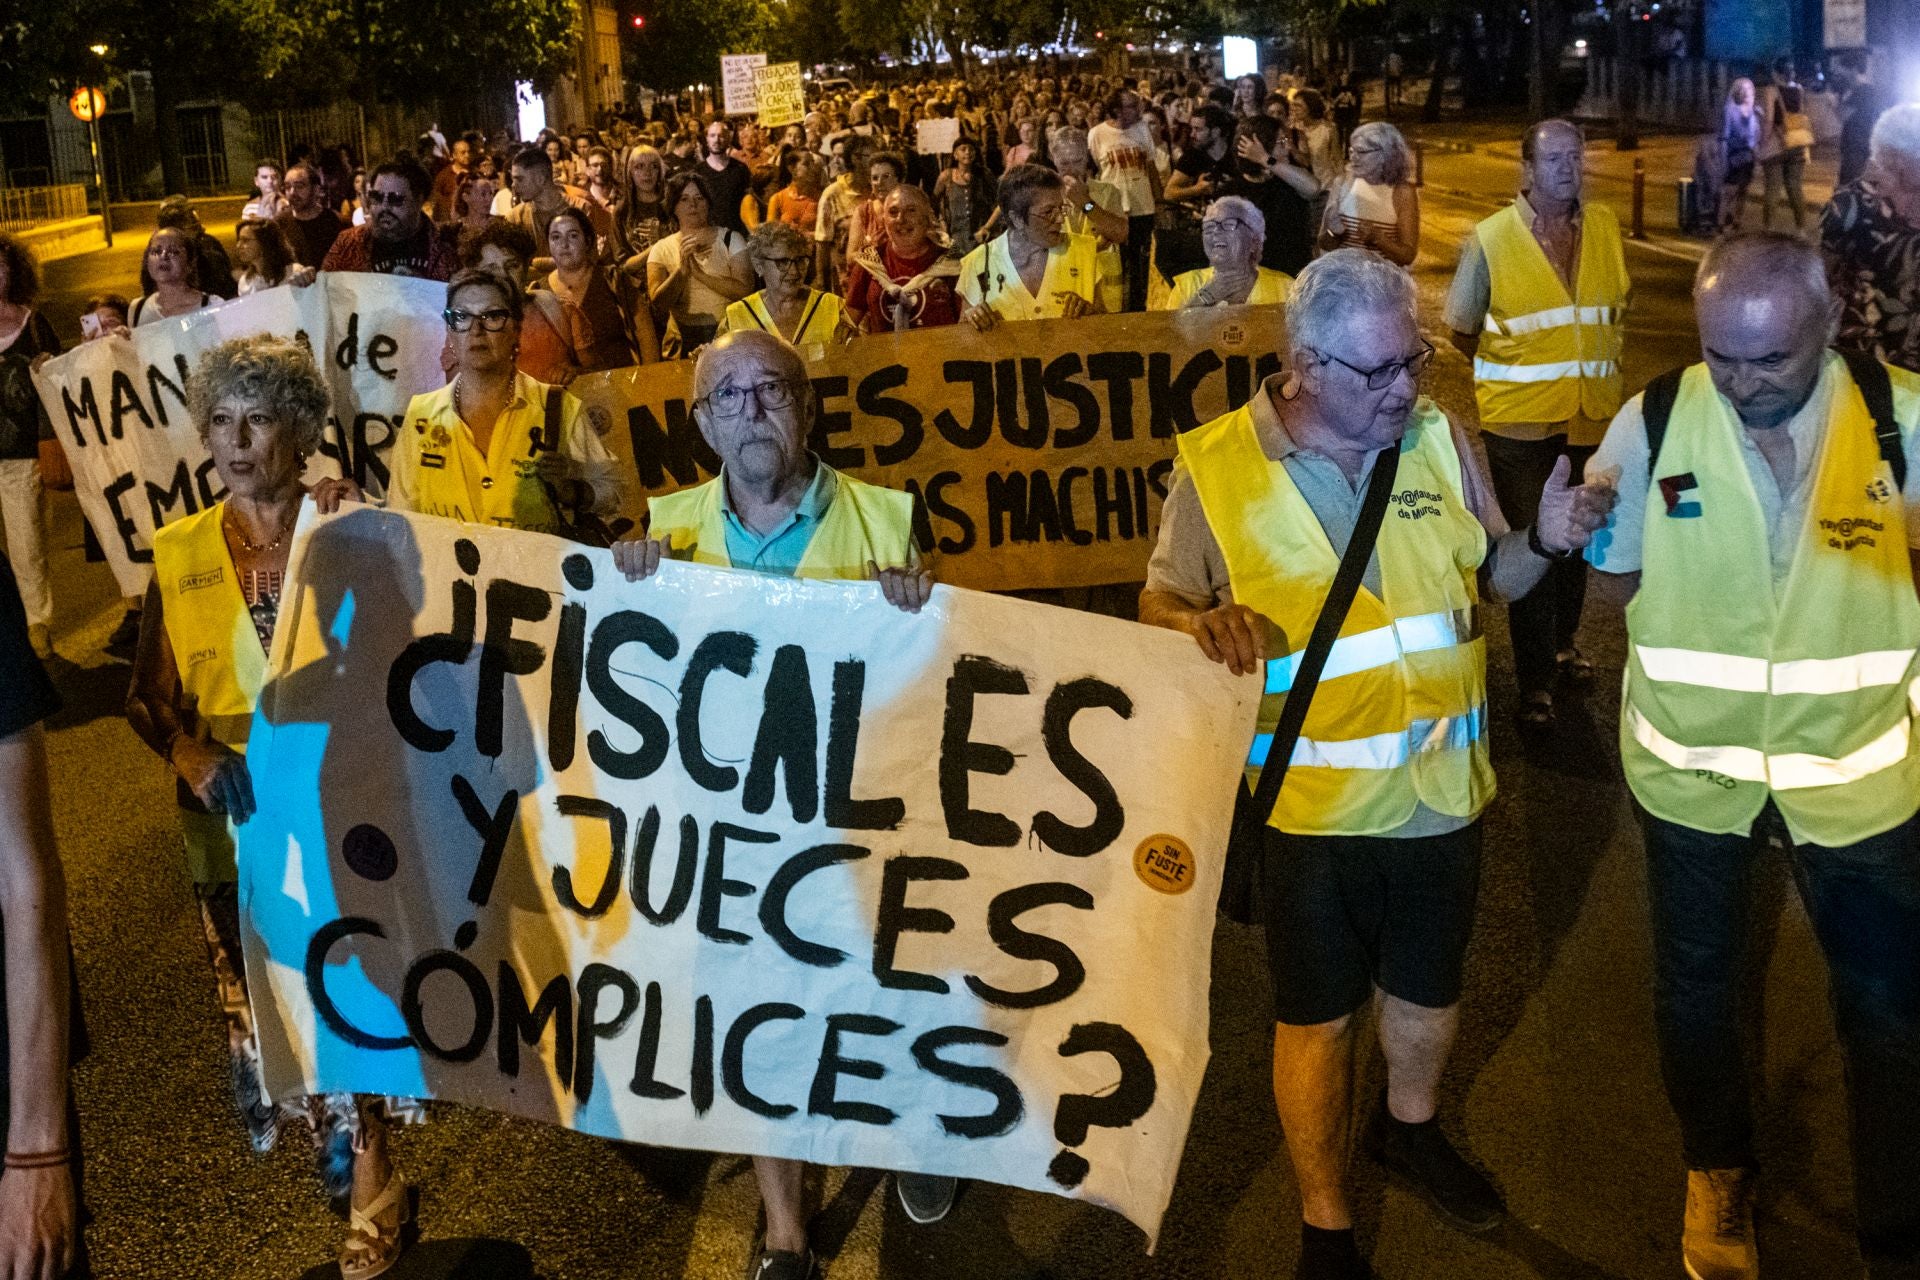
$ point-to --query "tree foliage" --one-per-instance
(682, 41)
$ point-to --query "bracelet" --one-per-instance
(39, 1159)
(1540, 549)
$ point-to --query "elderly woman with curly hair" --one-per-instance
(259, 404)
(1374, 204)
(784, 304)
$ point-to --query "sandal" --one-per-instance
(1537, 709)
(1573, 665)
(371, 1249)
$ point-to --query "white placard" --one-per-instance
(736, 81)
(738, 862)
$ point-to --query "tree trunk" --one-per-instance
(1626, 61)
(1437, 85)
(166, 126)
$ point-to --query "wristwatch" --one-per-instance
(1088, 207)
(1540, 548)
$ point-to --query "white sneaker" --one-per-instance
(1717, 1242)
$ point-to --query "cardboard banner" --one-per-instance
(119, 405)
(1040, 450)
(779, 95)
(736, 81)
(735, 862)
(936, 137)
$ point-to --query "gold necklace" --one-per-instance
(247, 545)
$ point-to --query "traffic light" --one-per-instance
(639, 20)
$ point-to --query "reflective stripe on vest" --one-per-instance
(1757, 675)
(1378, 647)
(1381, 750)
(1792, 771)
(1551, 318)
(1487, 371)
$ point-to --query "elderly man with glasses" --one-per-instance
(1371, 854)
(1232, 234)
(776, 508)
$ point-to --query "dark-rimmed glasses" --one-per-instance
(731, 401)
(1383, 376)
(493, 319)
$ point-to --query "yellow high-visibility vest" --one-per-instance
(1733, 694)
(218, 654)
(1545, 356)
(441, 472)
(818, 320)
(987, 274)
(863, 522)
(1270, 288)
(1400, 716)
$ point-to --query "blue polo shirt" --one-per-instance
(780, 551)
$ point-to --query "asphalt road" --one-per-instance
(1554, 1085)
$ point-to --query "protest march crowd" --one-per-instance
(1756, 497)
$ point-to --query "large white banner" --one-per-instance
(738, 863)
(119, 405)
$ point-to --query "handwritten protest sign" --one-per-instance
(1040, 450)
(119, 405)
(936, 137)
(780, 96)
(736, 81)
(738, 863)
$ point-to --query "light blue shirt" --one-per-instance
(781, 550)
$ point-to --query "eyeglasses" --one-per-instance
(785, 264)
(391, 199)
(731, 401)
(1231, 226)
(493, 320)
(1384, 376)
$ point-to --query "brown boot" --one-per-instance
(1717, 1243)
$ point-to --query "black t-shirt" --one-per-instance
(729, 187)
(310, 238)
(1195, 163)
(1289, 216)
(21, 417)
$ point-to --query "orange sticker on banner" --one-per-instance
(1164, 863)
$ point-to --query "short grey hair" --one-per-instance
(773, 236)
(1339, 287)
(1896, 134)
(1238, 207)
(480, 278)
(711, 364)
(1752, 260)
(275, 374)
(1396, 157)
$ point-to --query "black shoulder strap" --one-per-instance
(1876, 388)
(1326, 629)
(550, 433)
(1656, 406)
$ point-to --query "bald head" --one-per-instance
(1766, 318)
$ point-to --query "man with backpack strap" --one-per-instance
(1771, 687)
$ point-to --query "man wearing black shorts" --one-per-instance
(1372, 857)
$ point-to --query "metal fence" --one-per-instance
(23, 207)
(276, 133)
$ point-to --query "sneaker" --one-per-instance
(1330, 1255)
(925, 1197)
(1717, 1242)
(1420, 1156)
(778, 1264)
(39, 640)
(125, 639)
